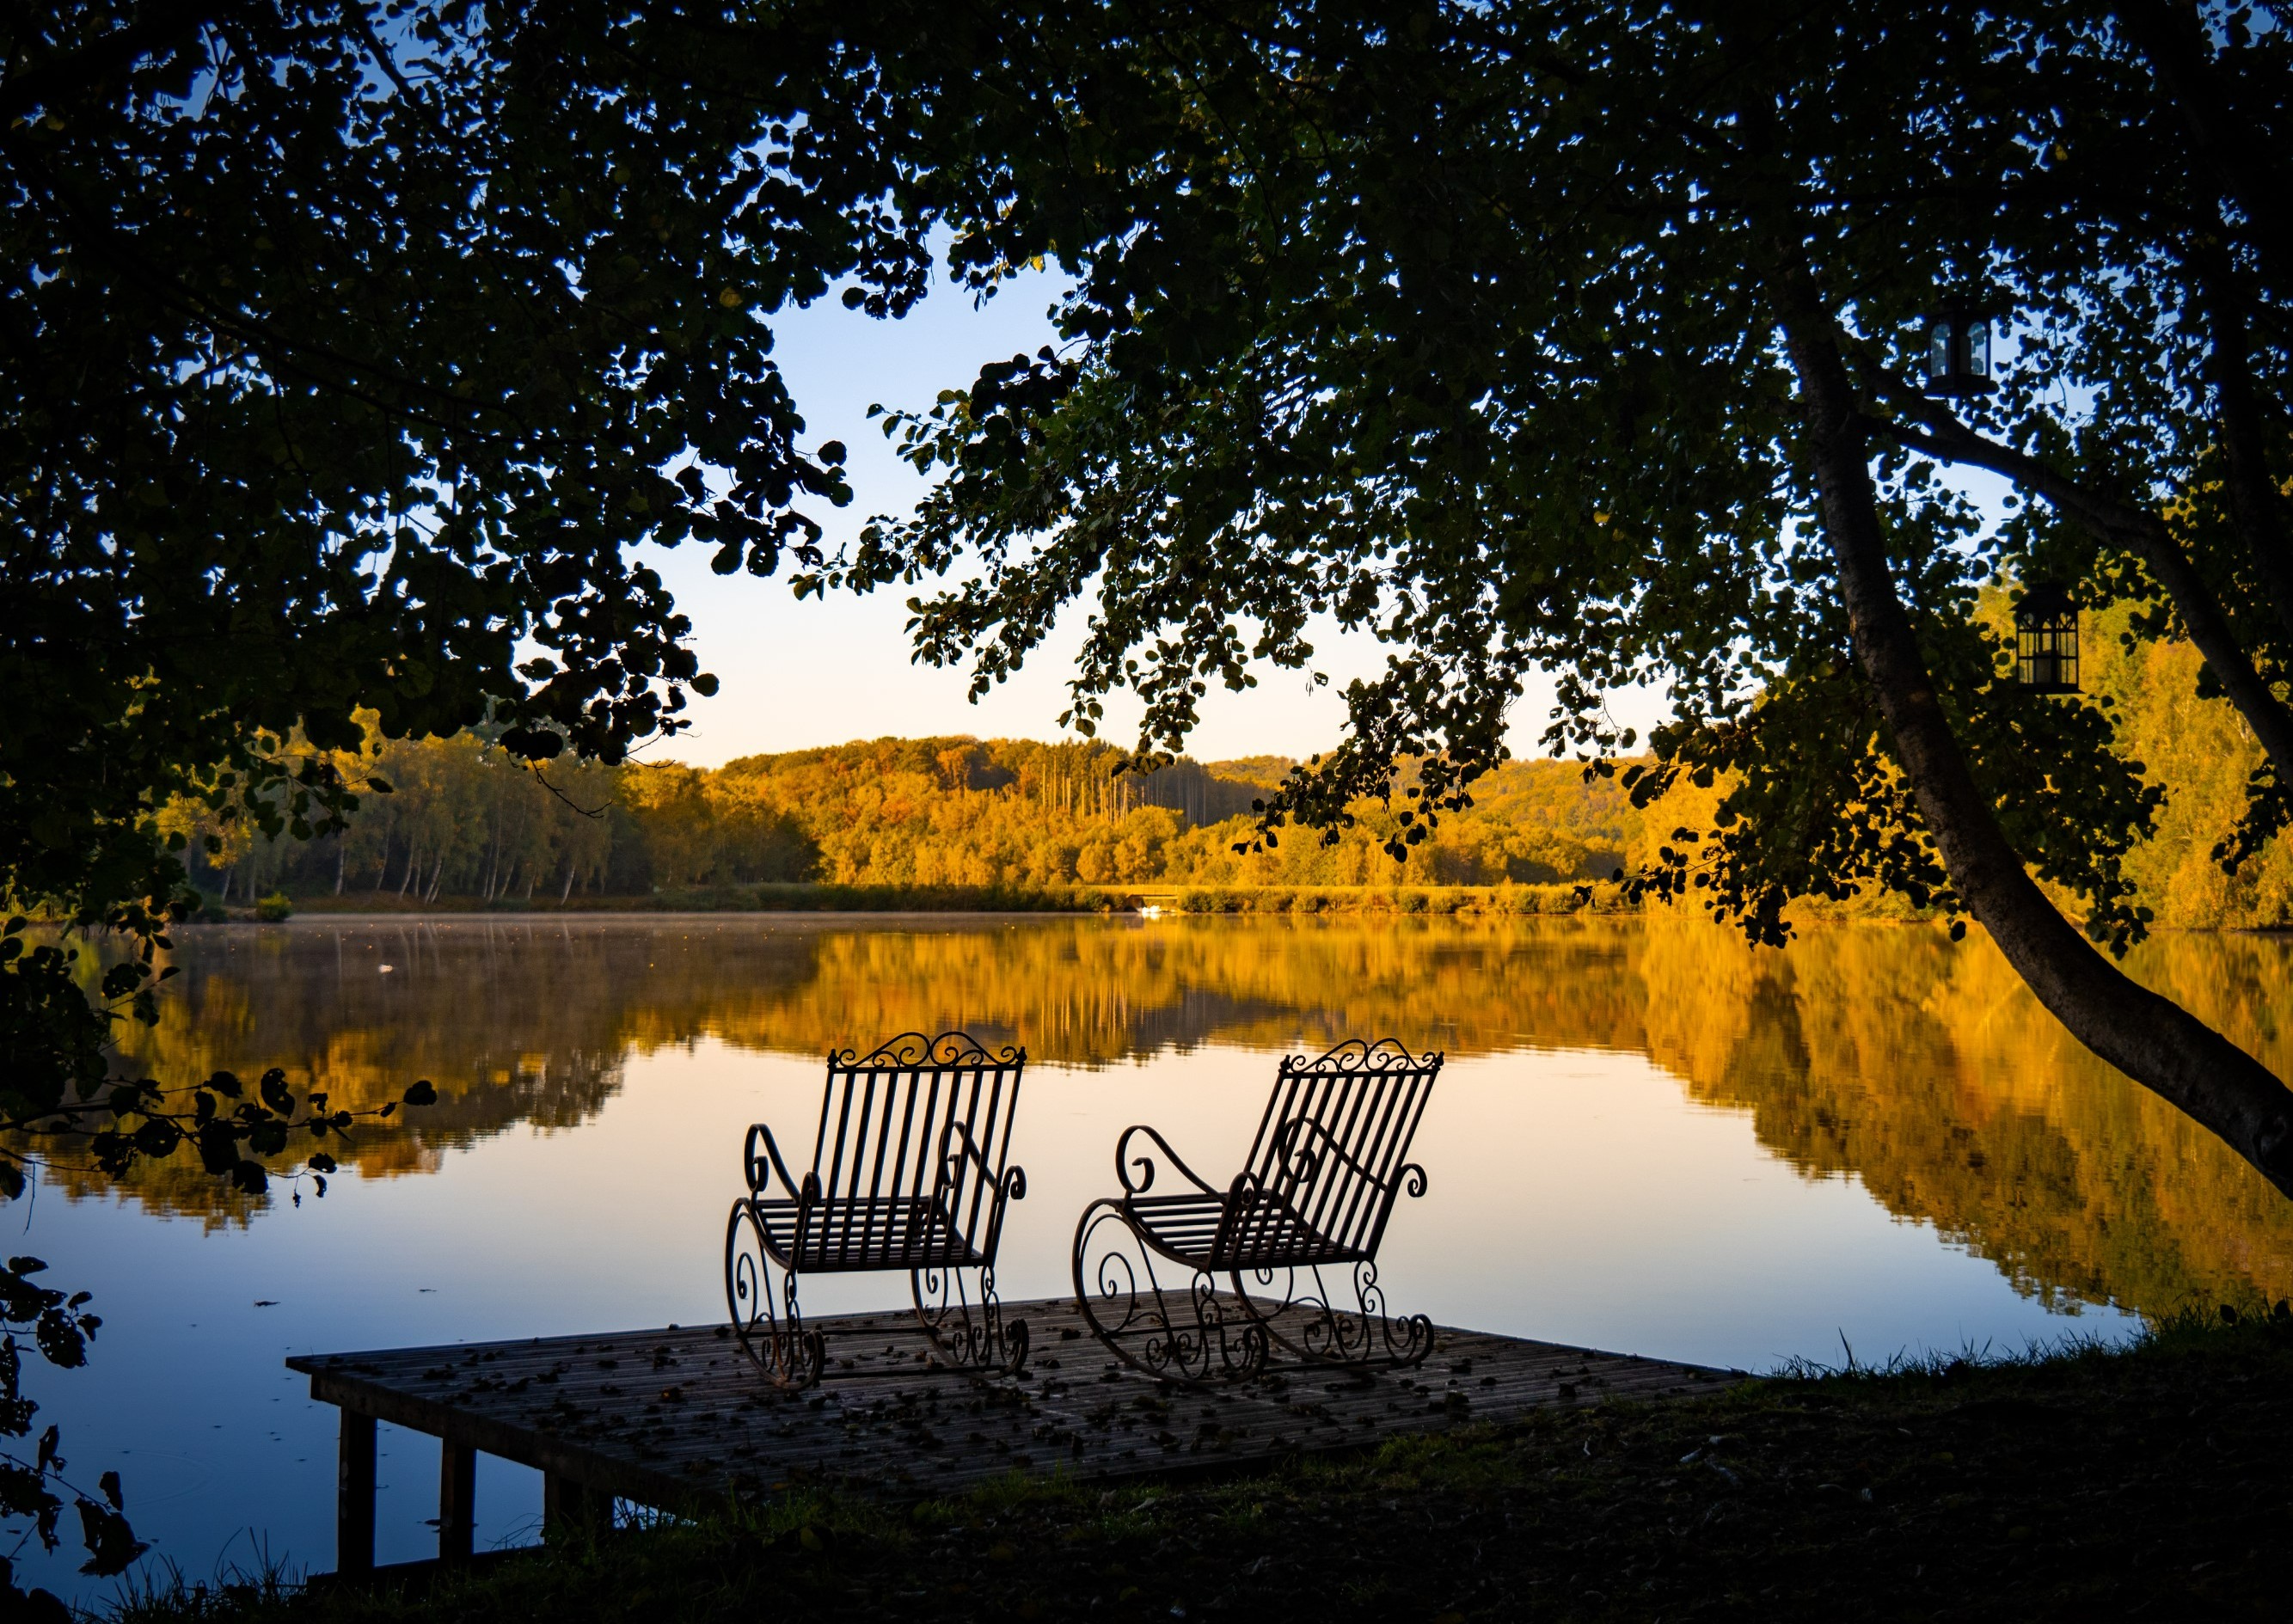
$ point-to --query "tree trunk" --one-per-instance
(2253, 499)
(2151, 1039)
(566, 896)
(341, 863)
(2171, 35)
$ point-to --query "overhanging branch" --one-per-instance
(1941, 435)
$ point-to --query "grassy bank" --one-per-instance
(1399, 901)
(2089, 1483)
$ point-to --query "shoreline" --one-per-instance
(1375, 905)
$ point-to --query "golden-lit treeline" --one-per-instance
(467, 820)
(1886, 1053)
(2198, 751)
(462, 819)
(2201, 751)
(1015, 814)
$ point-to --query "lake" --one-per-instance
(1650, 1138)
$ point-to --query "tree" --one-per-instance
(346, 353)
(349, 356)
(350, 350)
(1590, 336)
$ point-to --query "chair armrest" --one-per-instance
(761, 1169)
(1124, 1161)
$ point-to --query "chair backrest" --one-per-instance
(916, 1118)
(1334, 1140)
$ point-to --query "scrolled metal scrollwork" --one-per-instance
(1192, 1334)
(766, 1317)
(1322, 1175)
(1356, 1055)
(968, 1335)
(911, 1050)
(1144, 1180)
(1320, 1327)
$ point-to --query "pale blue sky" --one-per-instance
(800, 675)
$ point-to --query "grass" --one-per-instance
(2079, 1482)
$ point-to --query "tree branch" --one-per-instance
(2171, 38)
(70, 78)
(2143, 534)
(361, 24)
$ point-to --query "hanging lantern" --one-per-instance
(2046, 640)
(1959, 352)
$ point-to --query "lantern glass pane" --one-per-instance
(2047, 653)
(1939, 351)
(1977, 364)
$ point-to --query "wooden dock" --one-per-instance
(677, 1419)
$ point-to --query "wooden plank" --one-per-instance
(678, 1417)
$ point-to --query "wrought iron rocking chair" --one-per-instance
(908, 1172)
(1316, 1191)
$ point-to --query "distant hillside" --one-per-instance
(468, 821)
(1008, 814)
(1265, 772)
(968, 811)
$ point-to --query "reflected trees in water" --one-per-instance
(1887, 1053)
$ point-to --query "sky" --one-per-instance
(800, 675)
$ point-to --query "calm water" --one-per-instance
(1650, 1138)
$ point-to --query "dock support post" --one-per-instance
(354, 1495)
(567, 1506)
(457, 1495)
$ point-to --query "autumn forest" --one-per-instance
(466, 823)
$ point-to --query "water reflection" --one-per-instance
(1648, 1137)
(1921, 1069)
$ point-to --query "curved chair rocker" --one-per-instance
(907, 1173)
(1316, 1190)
